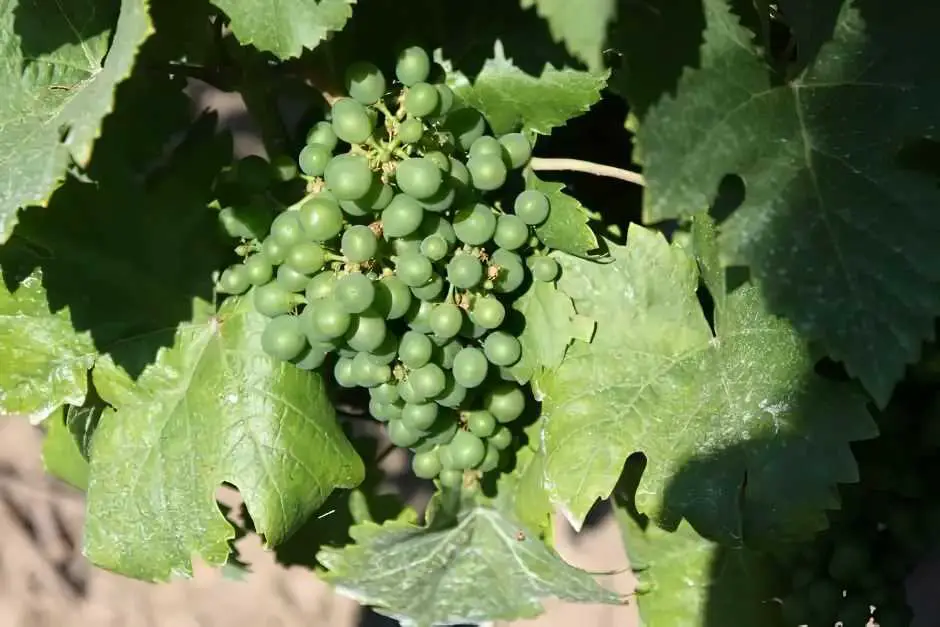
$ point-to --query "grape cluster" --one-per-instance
(403, 260)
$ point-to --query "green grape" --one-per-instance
(351, 122)
(467, 450)
(284, 168)
(428, 380)
(419, 417)
(459, 172)
(511, 232)
(312, 359)
(451, 479)
(438, 225)
(439, 159)
(343, 373)
(248, 221)
(488, 312)
(470, 367)
(413, 66)
(408, 245)
(286, 229)
(320, 286)
(273, 299)
(442, 200)
(258, 270)
(415, 349)
(501, 438)
(253, 173)
(467, 125)
(385, 393)
(490, 460)
(824, 597)
(320, 219)
(505, 400)
(408, 393)
(426, 465)
(401, 435)
(487, 145)
(365, 82)
(349, 176)
(448, 352)
(330, 320)
(442, 432)
(282, 338)
(487, 172)
(453, 395)
(532, 206)
(516, 150)
(322, 133)
(366, 333)
(234, 280)
(273, 251)
(421, 99)
(430, 291)
(512, 272)
(387, 352)
(355, 292)
(402, 216)
(418, 316)
(481, 423)
(849, 559)
(464, 271)
(359, 243)
(445, 100)
(380, 197)
(290, 279)
(475, 224)
(446, 320)
(502, 349)
(543, 268)
(392, 297)
(313, 159)
(435, 247)
(368, 373)
(413, 269)
(305, 258)
(472, 331)
(410, 131)
(384, 412)
(418, 177)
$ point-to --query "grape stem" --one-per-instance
(577, 165)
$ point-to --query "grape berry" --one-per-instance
(403, 260)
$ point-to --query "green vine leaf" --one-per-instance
(511, 99)
(551, 324)
(567, 227)
(581, 26)
(61, 454)
(59, 78)
(45, 359)
(705, 408)
(420, 575)
(836, 222)
(213, 408)
(286, 27)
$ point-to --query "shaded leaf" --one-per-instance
(59, 78)
(567, 227)
(836, 228)
(61, 455)
(421, 575)
(522, 492)
(581, 26)
(213, 408)
(705, 408)
(285, 27)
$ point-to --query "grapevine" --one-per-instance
(397, 271)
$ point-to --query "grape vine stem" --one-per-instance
(577, 165)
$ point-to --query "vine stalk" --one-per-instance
(577, 165)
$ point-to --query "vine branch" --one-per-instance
(577, 165)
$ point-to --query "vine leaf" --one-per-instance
(581, 26)
(213, 408)
(285, 27)
(836, 222)
(59, 78)
(705, 408)
(510, 99)
(551, 324)
(567, 227)
(61, 455)
(45, 359)
(420, 575)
